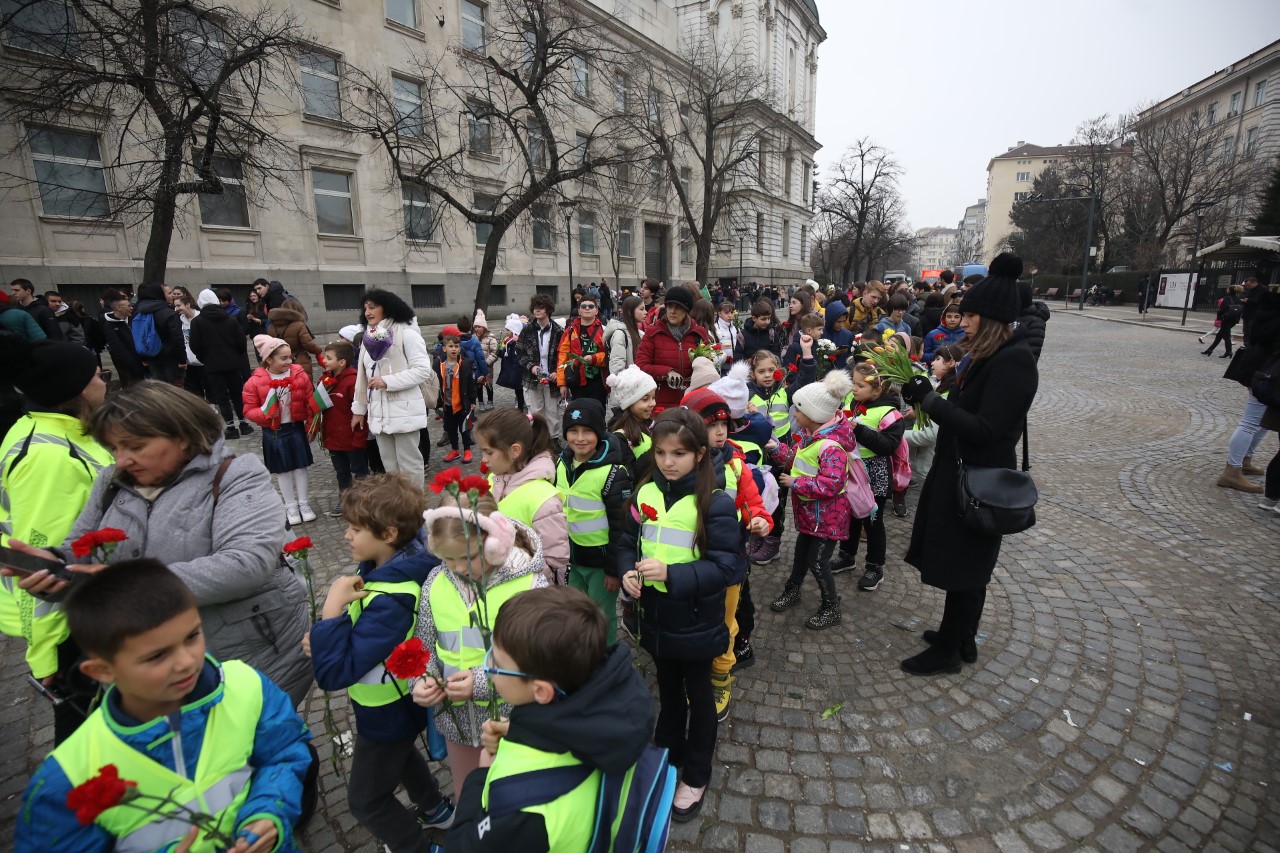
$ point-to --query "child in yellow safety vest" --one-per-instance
(486, 559)
(636, 393)
(679, 548)
(175, 728)
(364, 617)
(517, 456)
(594, 479)
(734, 477)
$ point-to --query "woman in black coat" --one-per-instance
(981, 423)
(1229, 312)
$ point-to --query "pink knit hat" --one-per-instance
(266, 345)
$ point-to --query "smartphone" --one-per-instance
(51, 695)
(28, 564)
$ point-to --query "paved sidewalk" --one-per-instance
(1170, 319)
(1126, 691)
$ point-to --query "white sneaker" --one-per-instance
(308, 514)
(1268, 503)
(292, 515)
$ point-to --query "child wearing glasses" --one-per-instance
(574, 701)
(481, 551)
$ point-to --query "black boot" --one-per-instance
(934, 660)
(968, 645)
(789, 598)
(828, 614)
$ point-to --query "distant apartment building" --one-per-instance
(1009, 179)
(935, 249)
(970, 231)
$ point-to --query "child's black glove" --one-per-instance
(916, 389)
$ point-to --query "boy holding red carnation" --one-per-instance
(364, 618)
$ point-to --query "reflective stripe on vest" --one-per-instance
(872, 419)
(775, 405)
(459, 643)
(523, 503)
(584, 512)
(376, 687)
(806, 463)
(672, 537)
(221, 781)
(567, 831)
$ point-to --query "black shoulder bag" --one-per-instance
(995, 501)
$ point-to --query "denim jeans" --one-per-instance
(1248, 435)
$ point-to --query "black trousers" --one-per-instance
(686, 717)
(780, 514)
(813, 556)
(961, 615)
(875, 535)
(224, 388)
(455, 424)
(377, 769)
(1224, 335)
(1272, 480)
(348, 464)
(78, 689)
(746, 614)
(193, 380)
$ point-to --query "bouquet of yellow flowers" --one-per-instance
(896, 364)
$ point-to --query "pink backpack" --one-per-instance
(900, 461)
(858, 487)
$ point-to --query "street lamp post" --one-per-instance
(567, 207)
(1195, 278)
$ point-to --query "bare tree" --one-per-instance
(968, 246)
(709, 115)
(506, 120)
(613, 200)
(887, 236)
(1097, 166)
(179, 94)
(856, 188)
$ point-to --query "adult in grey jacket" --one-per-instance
(212, 517)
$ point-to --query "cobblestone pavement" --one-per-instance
(1125, 694)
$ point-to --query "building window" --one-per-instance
(333, 202)
(537, 147)
(1240, 203)
(428, 295)
(1023, 177)
(786, 238)
(804, 243)
(655, 176)
(1228, 148)
(343, 297)
(804, 181)
(586, 232)
(655, 106)
(581, 76)
(406, 95)
(1235, 104)
(542, 233)
(200, 42)
(619, 92)
(624, 239)
(484, 204)
(473, 26)
(1211, 113)
(1250, 141)
(551, 290)
(403, 12)
(581, 148)
(686, 182)
(786, 179)
(229, 208)
(1260, 93)
(69, 172)
(684, 115)
(497, 295)
(1021, 196)
(320, 94)
(479, 132)
(622, 169)
(418, 219)
(761, 163)
(759, 233)
(686, 246)
(42, 26)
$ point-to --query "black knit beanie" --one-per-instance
(49, 373)
(996, 296)
(586, 412)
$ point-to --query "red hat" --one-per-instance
(451, 330)
(708, 405)
(4, 298)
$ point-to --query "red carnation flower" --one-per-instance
(302, 543)
(484, 469)
(791, 368)
(778, 375)
(91, 798)
(649, 512)
(445, 479)
(474, 482)
(409, 659)
(106, 539)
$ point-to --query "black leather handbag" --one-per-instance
(995, 501)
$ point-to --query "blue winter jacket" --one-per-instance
(472, 349)
(886, 324)
(280, 760)
(342, 652)
(941, 337)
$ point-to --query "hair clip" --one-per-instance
(529, 415)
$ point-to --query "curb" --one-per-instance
(1143, 323)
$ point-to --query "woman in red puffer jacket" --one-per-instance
(666, 359)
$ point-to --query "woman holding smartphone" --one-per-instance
(48, 462)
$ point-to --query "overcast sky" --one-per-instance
(948, 85)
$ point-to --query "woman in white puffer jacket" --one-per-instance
(388, 380)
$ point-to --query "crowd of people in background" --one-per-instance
(660, 438)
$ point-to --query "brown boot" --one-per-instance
(1232, 479)
(1249, 468)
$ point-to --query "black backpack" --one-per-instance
(1265, 386)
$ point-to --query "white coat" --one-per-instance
(400, 407)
